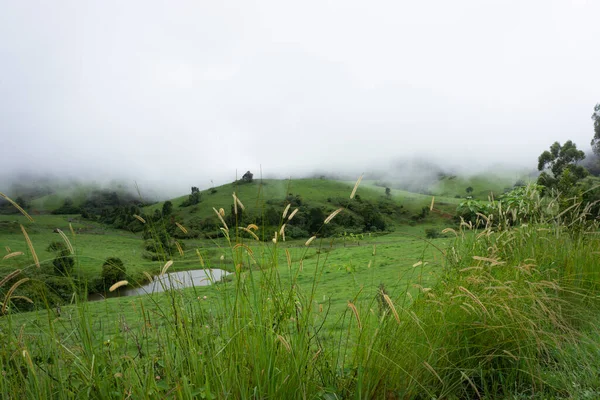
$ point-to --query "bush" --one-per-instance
(113, 270)
(432, 233)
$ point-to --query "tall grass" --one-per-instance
(511, 314)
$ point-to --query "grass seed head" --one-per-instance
(356, 186)
(13, 254)
(355, 312)
(309, 241)
(9, 276)
(142, 220)
(221, 214)
(36, 260)
(66, 240)
(166, 267)
(10, 292)
(181, 228)
(179, 249)
(292, 214)
(117, 285)
(287, 208)
(200, 258)
(333, 214)
(18, 207)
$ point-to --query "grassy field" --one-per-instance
(499, 311)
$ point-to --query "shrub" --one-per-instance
(113, 270)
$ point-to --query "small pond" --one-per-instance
(173, 280)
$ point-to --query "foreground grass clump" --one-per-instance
(509, 313)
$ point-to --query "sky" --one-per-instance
(173, 94)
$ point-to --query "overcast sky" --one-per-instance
(186, 92)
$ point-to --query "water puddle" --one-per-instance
(173, 280)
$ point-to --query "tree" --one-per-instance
(21, 202)
(469, 190)
(113, 270)
(63, 262)
(193, 198)
(562, 162)
(247, 177)
(596, 140)
(167, 208)
(388, 191)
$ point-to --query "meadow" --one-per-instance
(503, 308)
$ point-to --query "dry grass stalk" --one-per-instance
(289, 258)
(391, 304)
(36, 260)
(287, 208)
(285, 343)
(250, 232)
(200, 258)
(18, 207)
(475, 299)
(117, 285)
(374, 249)
(471, 383)
(430, 368)
(316, 355)
(179, 249)
(252, 226)
(292, 214)
(66, 240)
(222, 212)
(333, 214)
(450, 230)
(248, 249)
(221, 217)
(71, 229)
(432, 202)
(148, 276)
(355, 312)
(417, 264)
(10, 276)
(234, 204)
(301, 265)
(282, 232)
(492, 261)
(181, 228)
(13, 254)
(28, 360)
(142, 220)
(10, 292)
(275, 237)
(27, 299)
(237, 202)
(166, 267)
(7, 249)
(356, 186)
(309, 241)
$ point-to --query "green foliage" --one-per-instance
(596, 140)
(248, 177)
(469, 190)
(194, 198)
(63, 262)
(562, 162)
(167, 208)
(501, 312)
(113, 270)
(67, 208)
